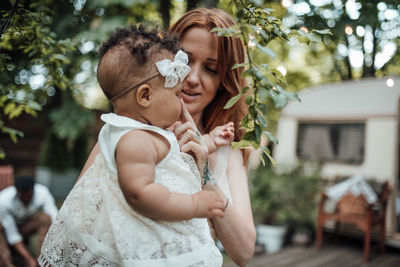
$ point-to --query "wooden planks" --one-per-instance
(345, 254)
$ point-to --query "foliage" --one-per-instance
(72, 152)
(258, 28)
(360, 26)
(54, 43)
(32, 61)
(285, 197)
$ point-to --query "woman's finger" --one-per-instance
(199, 151)
(189, 135)
(182, 128)
(185, 115)
(194, 147)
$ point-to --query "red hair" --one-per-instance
(230, 52)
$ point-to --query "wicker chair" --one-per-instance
(357, 211)
(6, 176)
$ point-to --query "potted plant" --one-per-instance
(283, 203)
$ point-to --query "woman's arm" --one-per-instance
(236, 230)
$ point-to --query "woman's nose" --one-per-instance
(193, 77)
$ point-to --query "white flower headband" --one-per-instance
(172, 71)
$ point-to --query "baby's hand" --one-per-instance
(220, 136)
(208, 204)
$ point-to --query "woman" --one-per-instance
(209, 85)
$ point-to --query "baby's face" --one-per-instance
(166, 105)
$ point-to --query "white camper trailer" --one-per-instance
(352, 127)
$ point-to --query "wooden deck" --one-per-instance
(344, 254)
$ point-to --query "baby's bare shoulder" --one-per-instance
(144, 143)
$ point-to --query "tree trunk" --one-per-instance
(369, 71)
(191, 4)
(347, 62)
(336, 64)
(165, 6)
(210, 3)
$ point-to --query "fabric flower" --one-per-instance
(172, 71)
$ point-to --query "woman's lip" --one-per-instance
(189, 98)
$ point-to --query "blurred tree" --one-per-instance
(365, 32)
(32, 60)
(48, 59)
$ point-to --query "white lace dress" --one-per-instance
(97, 227)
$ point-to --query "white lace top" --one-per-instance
(97, 227)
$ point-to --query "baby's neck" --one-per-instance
(136, 117)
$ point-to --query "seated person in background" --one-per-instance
(25, 208)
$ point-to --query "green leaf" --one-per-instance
(266, 51)
(9, 107)
(262, 94)
(313, 37)
(280, 100)
(268, 154)
(268, 10)
(233, 101)
(261, 120)
(271, 137)
(63, 58)
(242, 143)
(290, 95)
(262, 107)
(16, 112)
(302, 33)
(34, 105)
(257, 130)
(13, 133)
(249, 100)
(244, 90)
(325, 31)
(227, 32)
(239, 65)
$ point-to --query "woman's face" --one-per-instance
(201, 84)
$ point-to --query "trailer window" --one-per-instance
(342, 142)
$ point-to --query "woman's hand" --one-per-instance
(189, 138)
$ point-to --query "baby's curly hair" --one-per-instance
(129, 55)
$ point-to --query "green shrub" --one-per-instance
(286, 197)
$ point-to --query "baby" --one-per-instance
(140, 203)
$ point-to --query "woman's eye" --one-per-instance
(211, 70)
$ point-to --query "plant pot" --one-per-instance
(271, 236)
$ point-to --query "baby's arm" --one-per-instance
(220, 136)
(136, 156)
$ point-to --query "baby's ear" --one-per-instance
(144, 95)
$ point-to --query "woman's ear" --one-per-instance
(143, 95)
